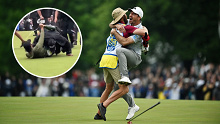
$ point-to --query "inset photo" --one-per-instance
(47, 42)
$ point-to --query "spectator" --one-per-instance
(43, 89)
(217, 88)
(94, 90)
(55, 88)
(151, 82)
(175, 91)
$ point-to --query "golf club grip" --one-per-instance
(145, 111)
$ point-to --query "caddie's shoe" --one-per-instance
(124, 80)
(98, 117)
(102, 110)
(131, 111)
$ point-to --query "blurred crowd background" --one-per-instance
(183, 61)
(174, 82)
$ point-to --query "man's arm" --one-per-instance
(141, 31)
(50, 27)
(56, 15)
(120, 27)
(122, 40)
(19, 36)
(41, 26)
(124, 29)
(112, 26)
(40, 14)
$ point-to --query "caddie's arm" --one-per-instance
(120, 27)
(122, 40)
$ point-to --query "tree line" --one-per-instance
(179, 30)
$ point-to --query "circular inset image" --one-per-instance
(47, 42)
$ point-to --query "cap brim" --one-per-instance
(132, 10)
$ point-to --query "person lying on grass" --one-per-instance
(48, 42)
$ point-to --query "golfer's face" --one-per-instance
(133, 18)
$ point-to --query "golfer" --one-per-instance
(130, 56)
(109, 63)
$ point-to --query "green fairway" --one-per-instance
(45, 67)
(81, 110)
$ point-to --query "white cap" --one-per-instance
(138, 11)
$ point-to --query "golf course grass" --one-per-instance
(45, 67)
(81, 110)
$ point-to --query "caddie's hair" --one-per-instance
(119, 20)
(27, 45)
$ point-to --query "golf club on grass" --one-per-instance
(129, 122)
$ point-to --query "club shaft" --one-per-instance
(144, 111)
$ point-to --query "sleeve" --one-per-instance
(136, 38)
(130, 29)
(50, 27)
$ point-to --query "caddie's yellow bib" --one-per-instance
(109, 61)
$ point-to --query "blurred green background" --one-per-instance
(179, 30)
